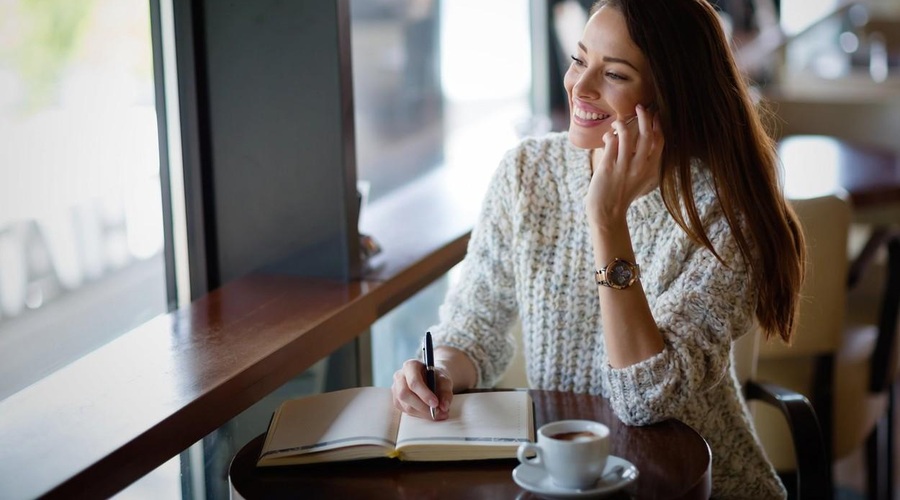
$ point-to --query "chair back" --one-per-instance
(799, 367)
(886, 357)
(867, 364)
(826, 226)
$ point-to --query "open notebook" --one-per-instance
(363, 423)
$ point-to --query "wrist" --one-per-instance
(599, 213)
(458, 367)
(604, 228)
(611, 241)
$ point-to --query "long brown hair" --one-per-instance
(707, 114)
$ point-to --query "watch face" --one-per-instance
(620, 273)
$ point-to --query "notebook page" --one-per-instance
(333, 420)
(476, 418)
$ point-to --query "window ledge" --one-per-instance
(95, 426)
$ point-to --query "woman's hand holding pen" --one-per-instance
(452, 370)
(626, 168)
(412, 395)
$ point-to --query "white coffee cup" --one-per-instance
(573, 452)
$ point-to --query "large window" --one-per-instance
(81, 233)
(82, 238)
(485, 81)
(437, 83)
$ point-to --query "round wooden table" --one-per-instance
(673, 461)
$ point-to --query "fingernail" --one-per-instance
(639, 106)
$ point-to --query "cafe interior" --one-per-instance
(207, 208)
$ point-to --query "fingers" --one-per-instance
(645, 142)
(610, 148)
(623, 140)
(638, 137)
(411, 394)
(414, 396)
(618, 143)
(445, 393)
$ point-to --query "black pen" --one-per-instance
(429, 368)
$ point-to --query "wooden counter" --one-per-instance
(97, 425)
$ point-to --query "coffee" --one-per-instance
(573, 452)
(572, 436)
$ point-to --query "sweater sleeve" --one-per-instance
(480, 307)
(707, 305)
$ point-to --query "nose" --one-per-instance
(585, 86)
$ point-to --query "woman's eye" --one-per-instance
(615, 76)
(577, 61)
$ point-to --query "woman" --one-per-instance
(666, 185)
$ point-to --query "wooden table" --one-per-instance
(816, 165)
(673, 461)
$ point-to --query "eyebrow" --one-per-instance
(611, 59)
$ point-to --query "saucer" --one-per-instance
(537, 480)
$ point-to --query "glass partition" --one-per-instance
(81, 231)
(485, 77)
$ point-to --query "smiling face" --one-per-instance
(608, 77)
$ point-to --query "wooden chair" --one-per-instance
(881, 366)
(846, 369)
(795, 413)
(826, 222)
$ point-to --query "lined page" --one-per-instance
(487, 418)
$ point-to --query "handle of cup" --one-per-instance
(526, 448)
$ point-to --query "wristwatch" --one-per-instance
(618, 274)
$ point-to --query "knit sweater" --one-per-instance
(530, 256)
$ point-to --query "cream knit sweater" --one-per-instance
(530, 256)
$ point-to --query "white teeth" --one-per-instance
(587, 115)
